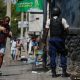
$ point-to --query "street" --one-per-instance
(23, 71)
(35, 22)
(17, 70)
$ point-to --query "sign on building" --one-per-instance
(35, 22)
(22, 24)
(29, 6)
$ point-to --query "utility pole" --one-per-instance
(22, 19)
(8, 11)
(26, 33)
(44, 13)
(27, 20)
(44, 16)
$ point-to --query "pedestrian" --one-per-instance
(28, 40)
(58, 27)
(30, 46)
(19, 45)
(4, 33)
(13, 48)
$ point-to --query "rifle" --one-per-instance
(45, 35)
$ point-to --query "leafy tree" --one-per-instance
(15, 17)
(14, 20)
(2, 9)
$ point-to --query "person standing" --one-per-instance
(58, 27)
(13, 48)
(19, 45)
(4, 33)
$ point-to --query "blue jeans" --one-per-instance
(57, 45)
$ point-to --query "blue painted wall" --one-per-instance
(71, 11)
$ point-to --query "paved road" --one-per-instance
(24, 71)
(16, 70)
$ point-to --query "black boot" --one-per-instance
(64, 73)
(54, 72)
(44, 67)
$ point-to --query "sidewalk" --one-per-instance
(23, 71)
(12, 70)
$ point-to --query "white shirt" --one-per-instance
(64, 22)
(30, 46)
(13, 46)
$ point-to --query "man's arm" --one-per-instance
(65, 23)
(2, 28)
(10, 34)
(66, 26)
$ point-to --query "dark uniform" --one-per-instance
(58, 29)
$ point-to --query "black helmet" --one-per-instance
(56, 11)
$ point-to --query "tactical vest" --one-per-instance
(56, 28)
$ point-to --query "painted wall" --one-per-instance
(70, 10)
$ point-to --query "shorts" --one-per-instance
(2, 48)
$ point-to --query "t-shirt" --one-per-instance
(13, 45)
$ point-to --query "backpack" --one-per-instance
(56, 27)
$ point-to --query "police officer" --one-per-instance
(58, 27)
